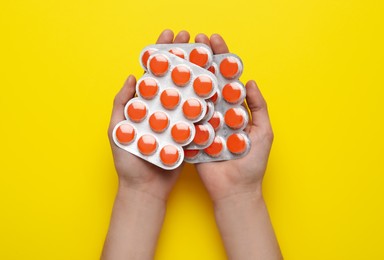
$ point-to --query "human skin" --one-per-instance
(140, 204)
(234, 186)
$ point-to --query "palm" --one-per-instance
(219, 177)
(144, 175)
(133, 171)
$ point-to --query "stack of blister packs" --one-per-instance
(188, 107)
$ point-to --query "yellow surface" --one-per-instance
(319, 64)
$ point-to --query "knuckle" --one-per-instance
(270, 135)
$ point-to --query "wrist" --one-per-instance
(239, 197)
(136, 221)
(148, 190)
(245, 226)
(138, 197)
(232, 192)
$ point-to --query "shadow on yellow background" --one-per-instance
(318, 63)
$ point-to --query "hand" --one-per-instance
(227, 178)
(140, 204)
(134, 172)
(235, 185)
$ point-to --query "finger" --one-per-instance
(125, 94)
(218, 44)
(257, 106)
(247, 128)
(182, 37)
(165, 37)
(202, 38)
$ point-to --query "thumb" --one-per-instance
(125, 94)
(258, 106)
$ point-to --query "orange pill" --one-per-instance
(145, 57)
(214, 98)
(148, 88)
(215, 148)
(202, 135)
(234, 118)
(137, 111)
(212, 69)
(190, 154)
(215, 121)
(181, 75)
(236, 143)
(169, 155)
(178, 52)
(232, 92)
(181, 132)
(170, 98)
(158, 121)
(229, 67)
(125, 133)
(147, 144)
(199, 56)
(159, 65)
(192, 108)
(203, 85)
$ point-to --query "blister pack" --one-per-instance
(171, 97)
(196, 53)
(229, 118)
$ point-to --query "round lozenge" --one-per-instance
(215, 148)
(158, 121)
(203, 85)
(125, 134)
(234, 118)
(236, 143)
(147, 144)
(181, 132)
(148, 88)
(159, 65)
(192, 108)
(169, 155)
(229, 67)
(199, 56)
(170, 98)
(137, 111)
(181, 75)
(202, 135)
(232, 92)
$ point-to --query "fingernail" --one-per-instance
(199, 35)
(131, 78)
(167, 31)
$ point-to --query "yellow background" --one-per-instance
(318, 63)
